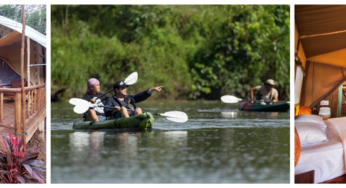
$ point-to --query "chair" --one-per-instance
(14, 84)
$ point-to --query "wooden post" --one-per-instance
(35, 100)
(38, 99)
(28, 73)
(1, 107)
(22, 72)
(41, 96)
(17, 112)
(32, 102)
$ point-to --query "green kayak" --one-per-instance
(280, 107)
(141, 121)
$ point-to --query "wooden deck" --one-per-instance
(9, 118)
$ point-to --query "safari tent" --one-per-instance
(10, 46)
(320, 73)
(18, 117)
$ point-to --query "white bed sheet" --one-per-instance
(326, 159)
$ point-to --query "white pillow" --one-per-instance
(311, 132)
(310, 118)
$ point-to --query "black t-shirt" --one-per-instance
(99, 110)
(130, 108)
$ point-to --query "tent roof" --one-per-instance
(322, 31)
(13, 37)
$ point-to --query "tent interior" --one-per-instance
(320, 75)
(10, 50)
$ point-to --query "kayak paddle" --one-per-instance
(130, 80)
(230, 99)
(83, 106)
(175, 116)
(233, 99)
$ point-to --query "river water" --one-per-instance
(218, 144)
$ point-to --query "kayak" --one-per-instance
(280, 107)
(141, 121)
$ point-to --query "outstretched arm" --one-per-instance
(158, 88)
(145, 94)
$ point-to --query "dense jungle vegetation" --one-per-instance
(195, 51)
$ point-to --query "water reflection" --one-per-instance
(127, 142)
(204, 156)
(235, 114)
(176, 138)
(263, 114)
(79, 141)
(229, 114)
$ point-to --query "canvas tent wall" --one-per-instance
(321, 35)
(10, 46)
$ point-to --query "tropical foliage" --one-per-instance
(195, 51)
(17, 165)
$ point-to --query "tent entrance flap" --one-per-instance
(7, 74)
(320, 81)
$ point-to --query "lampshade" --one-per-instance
(325, 112)
(304, 110)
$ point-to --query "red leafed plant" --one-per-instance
(17, 165)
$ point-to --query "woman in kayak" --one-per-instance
(125, 105)
(92, 95)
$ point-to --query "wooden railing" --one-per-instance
(35, 100)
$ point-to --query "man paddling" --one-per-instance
(266, 93)
(125, 105)
(92, 95)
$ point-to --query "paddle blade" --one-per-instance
(77, 101)
(130, 80)
(230, 99)
(81, 109)
(176, 116)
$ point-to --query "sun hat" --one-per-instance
(270, 82)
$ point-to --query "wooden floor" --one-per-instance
(8, 113)
(9, 118)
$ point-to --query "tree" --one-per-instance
(35, 15)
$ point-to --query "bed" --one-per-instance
(327, 159)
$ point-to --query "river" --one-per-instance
(218, 144)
